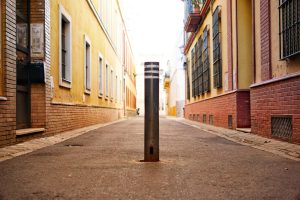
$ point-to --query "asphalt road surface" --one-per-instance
(104, 164)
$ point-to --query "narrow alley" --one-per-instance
(105, 164)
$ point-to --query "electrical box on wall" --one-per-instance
(37, 73)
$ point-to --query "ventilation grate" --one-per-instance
(282, 126)
(211, 119)
(230, 121)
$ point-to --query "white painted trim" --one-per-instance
(100, 92)
(64, 14)
(107, 75)
(3, 98)
(87, 41)
(93, 8)
(111, 75)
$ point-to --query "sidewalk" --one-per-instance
(12, 151)
(280, 148)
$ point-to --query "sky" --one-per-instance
(154, 26)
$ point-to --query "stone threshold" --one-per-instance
(27, 131)
(244, 130)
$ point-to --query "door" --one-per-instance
(23, 60)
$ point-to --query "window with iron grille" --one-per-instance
(193, 72)
(188, 93)
(205, 57)
(217, 49)
(289, 27)
(200, 66)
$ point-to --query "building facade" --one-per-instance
(69, 69)
(243, 67)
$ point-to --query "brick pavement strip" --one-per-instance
(35, 144)
(280, 148)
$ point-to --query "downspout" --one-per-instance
(253, 42)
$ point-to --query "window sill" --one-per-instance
(87, 92)
(3, 98)
(65, 84)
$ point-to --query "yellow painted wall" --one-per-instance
(208, 22)
(1, 63)
(244, 53)
(279, 67)
(84, 21)
(257, 43)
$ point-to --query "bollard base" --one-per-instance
(149, 160)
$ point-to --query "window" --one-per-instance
(289, 28)
(217, 49)
(117, 88)
(65, 52)
(205, 57)
(111, 84)
(106, 80)
(87, 64)
(197, 68)
(188, 87)
(120, 86)
(193, 72)
(100, 79)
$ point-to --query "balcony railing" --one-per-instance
(192, 15)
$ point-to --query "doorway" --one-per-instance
(23, 60)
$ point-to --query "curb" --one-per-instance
(283, 149)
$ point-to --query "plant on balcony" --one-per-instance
(196, 5)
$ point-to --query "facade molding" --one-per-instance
(289, 76)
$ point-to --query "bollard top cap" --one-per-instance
(151, 63)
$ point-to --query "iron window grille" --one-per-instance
(289, 28)
(211, 119)
(205, 57)
(193, 72)
(188, 93)
(63, 49)
(282, 126)
(200, 66)
(217, 49)
(204, 118)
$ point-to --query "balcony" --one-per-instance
(194, 14)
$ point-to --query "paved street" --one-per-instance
(104, 164)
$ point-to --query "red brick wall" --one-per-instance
(266, 70)
(68, 117)
(222, 106)
(8, 108)
(38, 106)
(276, 98)
(243, 109)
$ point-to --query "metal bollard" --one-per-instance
(151, 151)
